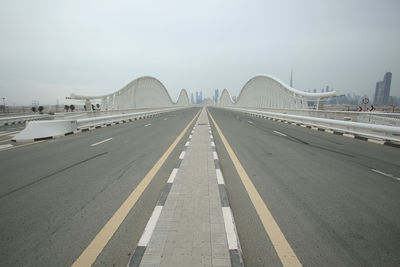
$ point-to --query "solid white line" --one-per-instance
(182, 155)
(386, 174)
(151, 224)
(187, 143)
(279, 133)
(220, 177)
(5, 146)
(9, 133)
(229, 228)
(98, 143)
(212, 144)
(172, 176)
(215, 156)
(147, 125)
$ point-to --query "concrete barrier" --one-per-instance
(41, 130)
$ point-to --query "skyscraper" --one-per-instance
(216, 96)
(192, 98)
(382, 90)
(291, 78)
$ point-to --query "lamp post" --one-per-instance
(4, 104)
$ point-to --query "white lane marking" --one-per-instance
(7, 133)
(182, 155)
(2, 132)
(209, 132)
(386, 174)
(147, 125)
(250, 122)
(220, 177)
(211, 136)
(229, 228)
(172, 176)
(215, 156)
(212, 144)
(279, 133)
(192, 132)
(151, 224)
(165, 119)
(190, 136)
(187, 143)
(5, 146)
(98, 143)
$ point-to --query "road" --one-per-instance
(329, 194)
(335, 199)
(55, 196)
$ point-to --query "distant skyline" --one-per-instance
(50, 49)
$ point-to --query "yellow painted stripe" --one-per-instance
(89, 255)
(281, 245)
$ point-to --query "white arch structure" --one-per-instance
(264, 91)
(144, 92)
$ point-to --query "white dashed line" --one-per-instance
(147, 125)
(250, 122)
(279, 133)
(386, 174)
(187, 143)
(98, 143)
(212, 144)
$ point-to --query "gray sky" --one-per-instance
(49, 49)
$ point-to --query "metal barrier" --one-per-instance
(385, 132)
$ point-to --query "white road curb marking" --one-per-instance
(173, 175)
(151, 224)
(182, 155)
(229, 228)
(220, 177)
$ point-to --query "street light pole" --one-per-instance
(4, 104)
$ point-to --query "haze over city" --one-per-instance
(50, 49)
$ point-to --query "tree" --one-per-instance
(72, 107)
(98, 106)
(40, 108)
(33, 109)
(92, 107)
(66, 107)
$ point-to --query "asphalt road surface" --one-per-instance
(56, 195)
(336, 199)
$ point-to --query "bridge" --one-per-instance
(267, 180)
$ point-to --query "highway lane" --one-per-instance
(55, 196)
(333, 209)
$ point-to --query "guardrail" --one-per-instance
(22, 119)
(40, 130)
(384, 132)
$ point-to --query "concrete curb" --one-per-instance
(86, 128)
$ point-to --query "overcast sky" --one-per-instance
(49, 49)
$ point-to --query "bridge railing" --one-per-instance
(22, 119)
(383, 132)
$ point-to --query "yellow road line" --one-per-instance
(90, 254)
(281, 245)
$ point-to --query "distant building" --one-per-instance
(216, 95)
(382, 90)
(192, 98)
